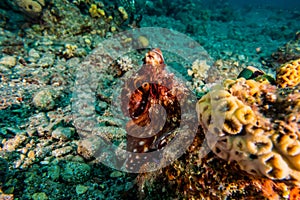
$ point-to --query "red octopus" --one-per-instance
(150, 99)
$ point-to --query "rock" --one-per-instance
(13, 143)
(9, 190)
(54, 172)
(38, 124)
(33, 55)
(88, 147)
(78, 159)
(46, 61)
(62, 151)
(63, 133)
(241, 57)
(39, 196)
(116, 174)
(44, 100)
(6, 196)
(4, 69)
(80, 189)
(74, 172)
(3, 171)
(9, 61)
(31, 154)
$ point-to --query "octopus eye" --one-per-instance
(146, 86)
(137, 83)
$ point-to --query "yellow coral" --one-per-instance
(143, 41)
(288, 74)
(253, 87)
(96, 12)
(260, 146)
(227, 106)
(232, 126)
(239, 144)
(295, 161)
(273, 166)
(287, 144)
(245, 115)
(123, 12)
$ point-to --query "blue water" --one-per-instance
(281, 4)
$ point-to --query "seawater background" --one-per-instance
(282, 4)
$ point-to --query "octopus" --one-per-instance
(151, 100)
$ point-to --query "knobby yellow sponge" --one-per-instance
(288, 74)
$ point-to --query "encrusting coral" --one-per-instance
(32, 8)
(256, 124)
(288, 74)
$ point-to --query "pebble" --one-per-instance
(62, 151)
(116, 174)
(46, 61)
(53, 172)
(78, 159)
(81, 52)
(80, 189)
(4, 69)
(9, 61)
(38, 124)
(13, 143)
(43, 100)
(74, 172)
(44, 162)
(31, 154)
(227, 52)
(39, 196)
(73, 62)
(63, 133)
(87, 147)
(6, 196)
(33, 55)
(9, 190)
(3, 170)
(241, 57)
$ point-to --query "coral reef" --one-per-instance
(288, 74)
(260, 128)
(196, 177)
(256, 128)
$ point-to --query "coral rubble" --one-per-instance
(287, 52)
